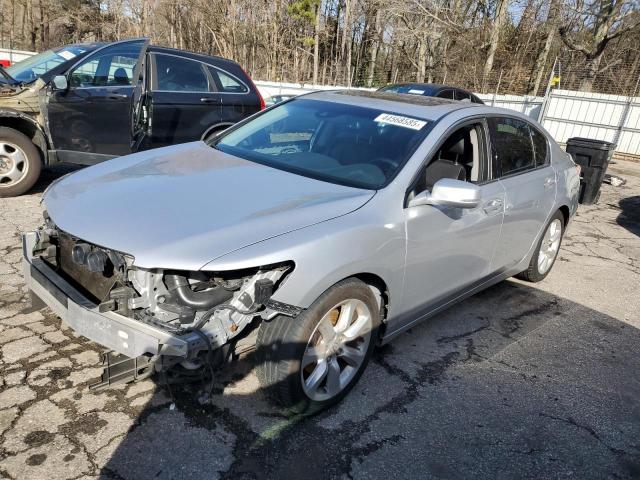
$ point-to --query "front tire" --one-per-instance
(546, 251)
(310, 362)
(20, 163)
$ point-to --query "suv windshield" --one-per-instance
(29, 69)
(338, 143)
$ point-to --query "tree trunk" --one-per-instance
(316, 45)
(421, 70)
(33, 34)
(543, 55)
(502, 12)
(345, 28)
(591, 69)
(373, 51)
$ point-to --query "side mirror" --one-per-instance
(450, 193)
(60, 82)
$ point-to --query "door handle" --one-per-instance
(549, 182)
(117, 96)
(209, 100)
(493, 206)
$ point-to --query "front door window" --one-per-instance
(113, 66)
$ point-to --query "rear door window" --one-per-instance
(512, 146)
(177, 74)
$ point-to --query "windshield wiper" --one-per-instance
(10, 80)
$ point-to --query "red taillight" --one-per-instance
(262, 104)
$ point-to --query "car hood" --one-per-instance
(181, 207)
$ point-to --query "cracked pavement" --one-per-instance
(522, 380)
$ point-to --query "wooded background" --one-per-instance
(502, 46)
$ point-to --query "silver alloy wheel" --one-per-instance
(13, 164)
(336, 349)
(549, 246)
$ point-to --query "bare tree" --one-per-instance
(591, 29)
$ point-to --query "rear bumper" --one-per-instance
(115, 332)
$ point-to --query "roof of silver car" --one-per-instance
(429, 108)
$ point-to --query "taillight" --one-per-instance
(262, 104)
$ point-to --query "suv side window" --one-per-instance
(448, 94)
(461, 95)
(227, 83)
(177, 74)
(539, 146)
(112, 66)
(512, 146)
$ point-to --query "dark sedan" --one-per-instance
(432, 90)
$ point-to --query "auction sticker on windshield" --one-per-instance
(66, 54)
(400, 121)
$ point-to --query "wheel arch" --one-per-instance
(565, 213)
(28, 126)
(379, 285)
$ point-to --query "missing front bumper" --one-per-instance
(121, 334)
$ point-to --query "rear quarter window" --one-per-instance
(227, 82)
(540, 148)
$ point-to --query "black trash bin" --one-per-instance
(593, 157)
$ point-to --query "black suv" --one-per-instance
(88, 103)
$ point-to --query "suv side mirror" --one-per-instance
(60, 82)
(450, 193)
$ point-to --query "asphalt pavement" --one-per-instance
(520, 381)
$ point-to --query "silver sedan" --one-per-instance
(308, 233)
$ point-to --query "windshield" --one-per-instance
(29, 69)
(334, 142)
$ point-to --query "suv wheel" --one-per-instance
(311, 362)
(20, 163)
(546, 252)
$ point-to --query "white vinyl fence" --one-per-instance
(613, 118)
(14, 56)
(564, 113)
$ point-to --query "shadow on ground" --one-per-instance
(629, 218)
(514, 383)
(49, 174)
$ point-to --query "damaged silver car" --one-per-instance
(308, 234)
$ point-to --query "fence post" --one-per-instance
(624, 116)
(547, 93)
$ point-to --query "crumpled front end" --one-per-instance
(155, 317)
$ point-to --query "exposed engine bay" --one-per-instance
(221, 308)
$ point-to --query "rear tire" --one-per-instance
(20, 163)
(311, 362)
(546, 252)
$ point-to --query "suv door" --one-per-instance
(91, 120)
(183, 100)
(450, 250)
(520, 155)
